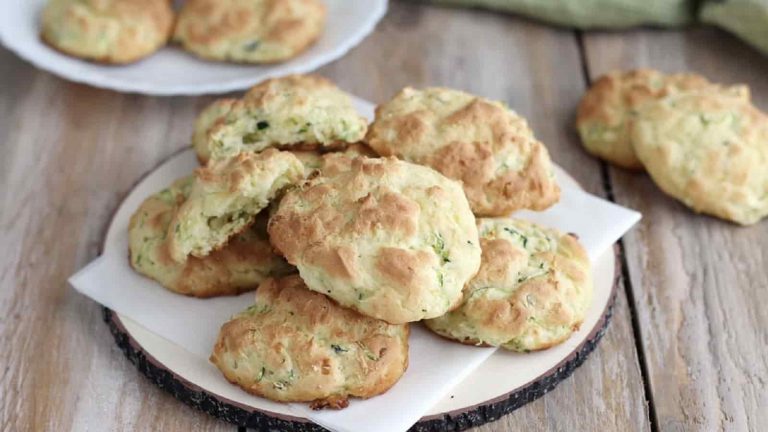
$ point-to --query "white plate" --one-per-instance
(172, 71)
(505, 381)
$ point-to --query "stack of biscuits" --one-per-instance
(353, 231)
(125, 31)
(704, 144)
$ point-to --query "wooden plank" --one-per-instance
(699, 283)
(70, 153)
(538, 72)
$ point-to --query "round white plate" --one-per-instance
(504, 382)
(172, 71)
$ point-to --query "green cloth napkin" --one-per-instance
(748, 19)
(596, 13)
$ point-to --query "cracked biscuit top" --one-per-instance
(532, 291)
(296, 345)
(393, 240)
(479, 142)
(249, 31)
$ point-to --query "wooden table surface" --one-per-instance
(687, 348)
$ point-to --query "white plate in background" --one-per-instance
(173, 71)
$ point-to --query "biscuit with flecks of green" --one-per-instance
(709, 150)
(606, 111)
(107, 31)
(393, 240)
(249, 31)
(296, 345)
(240, 265)
(532, 291)
(293, 112)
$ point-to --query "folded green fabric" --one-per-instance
(748, 19)
(595, 13)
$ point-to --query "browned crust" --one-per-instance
(285, 28)
(110, 60)
(310, 311)
(427, 135)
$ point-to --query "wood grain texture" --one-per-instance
(71, 152)
(699, 283)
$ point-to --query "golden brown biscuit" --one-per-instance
(477, 141)
(107, 31)
(225, 198)
(708, 149)
(249, 31)
(393, 240)
(606, 110)
(295, 345)
(244, 262)
(532, 291)
(293, 112)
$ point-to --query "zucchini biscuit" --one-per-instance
(249, 31)
(304, 111)
(107, 31)
(295, 345)
(477, 141)
(225, 198)
(532, 291)
(239, 266)
(708, 149)
(393, 240)
(606, 110)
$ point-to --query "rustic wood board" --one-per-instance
(699, 284)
